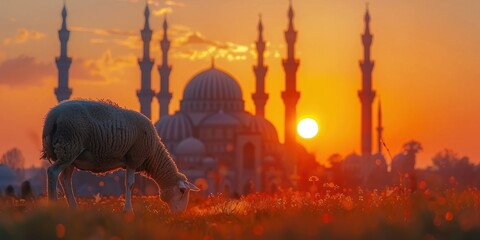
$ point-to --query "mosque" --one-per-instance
(213, 140)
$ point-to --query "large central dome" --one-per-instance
(212, 90)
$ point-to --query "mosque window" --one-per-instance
(249, 156)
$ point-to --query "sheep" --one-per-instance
(101, 137)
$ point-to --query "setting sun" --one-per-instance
(307, 128)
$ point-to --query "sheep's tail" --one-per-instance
(49, 129)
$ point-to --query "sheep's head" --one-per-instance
(177, 196)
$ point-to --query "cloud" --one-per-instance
(162, 11)
(187, 44)
(97, 40)
(175, 3)
(105, 68)
(102, 31)
(24, 71)
(197, 38)
(193, 45)
(131, 42)
(150, 2)
(23, 35)
(125, 38)
(27, 71)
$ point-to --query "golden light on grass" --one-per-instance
(60, 230)
(307, 128)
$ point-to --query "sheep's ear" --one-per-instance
(192, 187)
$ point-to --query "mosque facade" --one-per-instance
(215, 142)
(218, 144)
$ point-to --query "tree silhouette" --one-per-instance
(454, 170)
(14, 159)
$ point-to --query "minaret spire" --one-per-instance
(63, 92)
(379, 127)
(145, 94)
(260, 97)
(366, 94)
(164, 96)
(290, 96)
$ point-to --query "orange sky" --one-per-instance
(427, 64)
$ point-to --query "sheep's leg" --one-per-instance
(66, 182)
(129, 181)
(66, 151)
(52, 175)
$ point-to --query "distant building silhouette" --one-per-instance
(366, 94)
(379, 128)
(260, 97)
(26, 190)
(290, 96)
(7, 178)
(10, 191)
(164, 96)
(63, 92)
(368, 169)
(145, 94)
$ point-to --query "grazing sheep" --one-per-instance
(101, 137)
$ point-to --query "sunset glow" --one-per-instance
(240, 119)
(425, 52)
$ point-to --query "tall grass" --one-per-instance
(333, 214)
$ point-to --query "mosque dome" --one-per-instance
(212, 90)
(261, 125)
(174, 127)
(191, 146)
(221, 119)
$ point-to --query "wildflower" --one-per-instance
(97, 198)
(449, 216)
(313, 179)
(60, 230)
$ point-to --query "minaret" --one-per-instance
(366, 94)
(260, 97)
(379, 127)
(145, 94)
(164, 96)
(290, 96)
(63, 92)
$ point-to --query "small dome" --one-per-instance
(191, 146)
(353, 159)
(261, 125)
(212, 90)
(174, 127)
(221, 119)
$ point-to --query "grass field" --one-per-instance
(333, 214)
